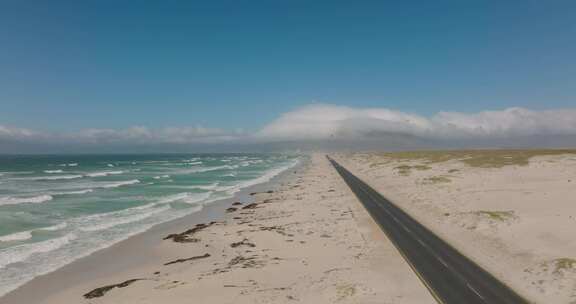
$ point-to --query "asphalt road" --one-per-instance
(449, 276)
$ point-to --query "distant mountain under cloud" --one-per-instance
(320, 126)
(322, 121)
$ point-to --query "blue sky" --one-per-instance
(70, 65)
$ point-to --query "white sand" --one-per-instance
(529, 240)
(312, 243)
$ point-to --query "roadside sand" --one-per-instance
(308, 241)
(517, 221)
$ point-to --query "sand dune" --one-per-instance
(511, 211)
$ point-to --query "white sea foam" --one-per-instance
(161, 176)
(194, 198)
(117, 184)
(192, 161)
(47, 177)
(104, 173)
(18, 236)
(23, 252)
(53, 171)
(72, 192)
(226, 188)
(111, 165)
(143, 207)
(108, 220)
(208, 187)
(173, 198)
(92, 185)
(14, 200)
(155, 162)
(16, 172)
(185, 197)
(205, 187)
(113, 220)
(55, 227)
(51, 177)
(262, 179)
(220, 168)
(205, 169)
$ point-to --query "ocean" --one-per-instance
(56, 209)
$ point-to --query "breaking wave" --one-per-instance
(52, 177)
(18, 236)
(117, 184)
(104, 173)
(14, 200)
(22, 252)
(73, 192)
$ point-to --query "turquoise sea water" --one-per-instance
(56, 209)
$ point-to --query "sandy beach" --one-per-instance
(305, 238)
(309, 240)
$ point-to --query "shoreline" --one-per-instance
(307, 240)
(117, 258)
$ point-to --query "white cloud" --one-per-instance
(10, 132)
(144, 135)
(324, 121)
(131, 135)
(320, 121)
(508, 122)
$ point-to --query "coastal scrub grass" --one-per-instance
(563, 264)
(436, 180)
(345, 291)
(406, 169)
(474, 158)
(500, 216)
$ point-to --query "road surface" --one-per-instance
(450, 277)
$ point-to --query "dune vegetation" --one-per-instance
(473, 158)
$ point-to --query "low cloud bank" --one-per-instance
(324, 121)
(143, 135)
(323, 126)
(133, 135)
